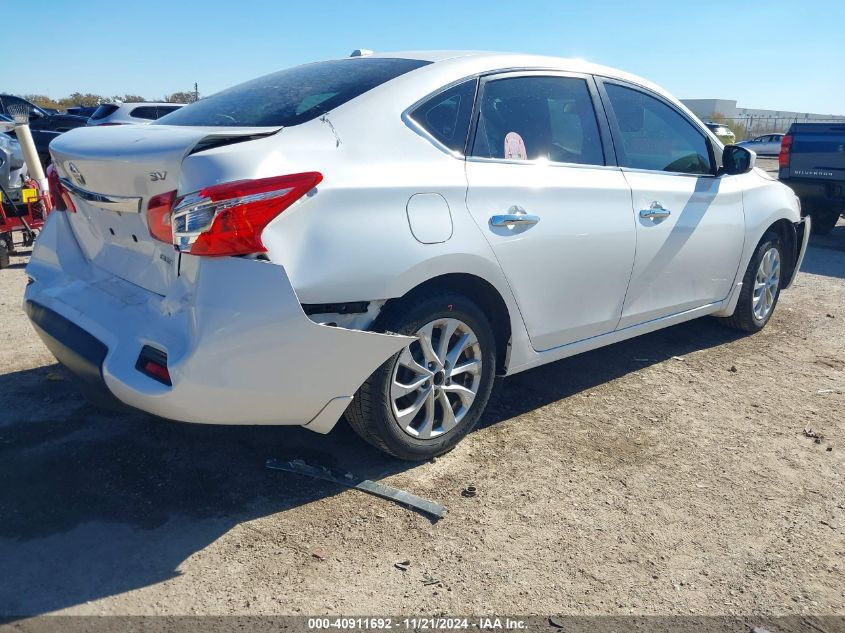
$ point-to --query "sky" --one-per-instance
(773, 54)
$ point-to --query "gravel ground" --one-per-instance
(670, 474)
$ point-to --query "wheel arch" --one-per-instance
(481, 292)
(786, 230)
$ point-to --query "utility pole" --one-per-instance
(196, 92)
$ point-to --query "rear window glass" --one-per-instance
(292, 96)
(144, 112)
(103, 111)
(446, 116)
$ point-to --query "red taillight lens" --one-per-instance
(785, 149)
(159, 216)
(61, 199)
(228, 219)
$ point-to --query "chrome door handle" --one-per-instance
(655, 212)
(516, 216)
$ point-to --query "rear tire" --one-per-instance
(760, 287)
(455, 370)
(824, 220)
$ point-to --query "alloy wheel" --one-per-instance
(766, 284)
(436, 379)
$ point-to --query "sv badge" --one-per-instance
(158, 175)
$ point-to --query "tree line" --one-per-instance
(91, 99)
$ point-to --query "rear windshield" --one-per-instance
(292, 96)
(103, 111)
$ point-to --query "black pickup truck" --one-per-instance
(812, 162)
(40, 119)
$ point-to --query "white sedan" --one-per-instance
(382, 235)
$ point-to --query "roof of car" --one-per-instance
(146, 103)
(492, 60)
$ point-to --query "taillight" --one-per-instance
(785, 149)
(158, 216)
(61, 199)
(228, 219)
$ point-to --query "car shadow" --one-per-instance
(96, 503)
(543, 385)
(826, 254)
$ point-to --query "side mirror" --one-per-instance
(737, 160)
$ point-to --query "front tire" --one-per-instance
(424, 399)
(760, 287)
(4, 254)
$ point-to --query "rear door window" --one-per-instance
(537, 117)
(144, 112)
(294, 95)
(103, 111)
(655, 136)
(446, 116)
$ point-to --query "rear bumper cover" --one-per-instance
(240, 349)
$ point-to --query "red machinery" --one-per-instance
(25, 218)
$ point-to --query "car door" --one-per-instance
(772, 145)
(543, 188)
(690, 222)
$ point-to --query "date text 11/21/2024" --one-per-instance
(416, 624)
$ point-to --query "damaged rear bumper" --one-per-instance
(239, 348)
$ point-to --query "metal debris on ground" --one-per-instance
(556, 622)
(402, 564)
(813, 434)
(430, 580)
(469, 491)
(299, 467)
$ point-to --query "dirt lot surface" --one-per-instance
(670, 474)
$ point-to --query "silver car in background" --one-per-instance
(766, 145)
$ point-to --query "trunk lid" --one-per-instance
(112, 172)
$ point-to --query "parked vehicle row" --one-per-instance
(40, 119)
(382, 235)
(46, 124)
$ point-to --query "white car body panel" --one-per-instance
(239, 340)
(691, 257)
(588, 274)
(585, 225)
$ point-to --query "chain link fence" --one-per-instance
(750, 126)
